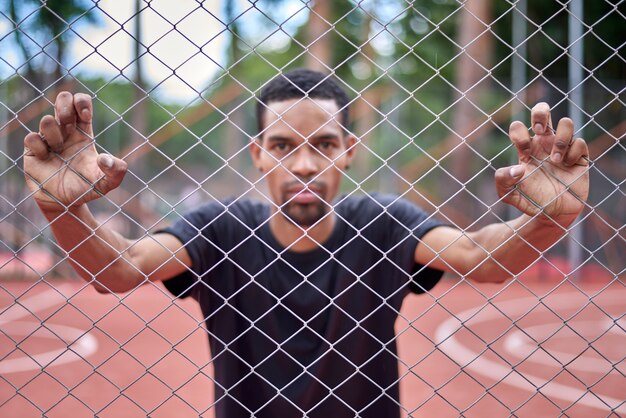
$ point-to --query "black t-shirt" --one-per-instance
(294, 334)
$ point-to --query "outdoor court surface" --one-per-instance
(142, 354)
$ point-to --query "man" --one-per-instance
(300, 294)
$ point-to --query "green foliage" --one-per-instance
(57, 15)
(406, 49)
(46, 25)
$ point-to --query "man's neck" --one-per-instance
(301, 239)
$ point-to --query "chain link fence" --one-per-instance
(433, 87)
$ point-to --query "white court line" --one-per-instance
(32, 304)
(449, 344)
(83, 344)
(520, 346)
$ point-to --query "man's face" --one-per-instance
(302, 154)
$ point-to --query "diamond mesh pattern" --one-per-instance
(433, 87)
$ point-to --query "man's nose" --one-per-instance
(304, 161)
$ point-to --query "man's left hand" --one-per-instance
(551, 180)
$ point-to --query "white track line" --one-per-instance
(32, 304)
(520, 345)
(83, 344)
(449, 344)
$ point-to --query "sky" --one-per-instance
(181, 61)
(187, 39)
(187, 50)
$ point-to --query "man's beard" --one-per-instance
(305, 215)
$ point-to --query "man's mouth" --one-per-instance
(304, 195)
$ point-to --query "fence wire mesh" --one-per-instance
(432, 88)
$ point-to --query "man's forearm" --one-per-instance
(99, 254)
(506, 249)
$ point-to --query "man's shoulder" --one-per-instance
(372, 203)
(363, 209)
(244, 211)
(385, 210)
(238, 205)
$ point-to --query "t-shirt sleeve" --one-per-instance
(407, 225)
(198, 232)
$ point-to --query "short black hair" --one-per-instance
(300, 83)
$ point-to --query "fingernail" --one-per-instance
(538, 128)
(556, 157)
(69, 128)
(106, 161)
(517, 170)
(85, 114)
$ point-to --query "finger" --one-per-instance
(562, 139)
(34, 145)
(507, 178)
(64, 111)
(541, 119)
(578, 153)
(51, 132)
(520, 138)
(83, 107)
(114, 170)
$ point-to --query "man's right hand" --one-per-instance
(62, 168)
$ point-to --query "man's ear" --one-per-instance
(351, 143)
(255, 149)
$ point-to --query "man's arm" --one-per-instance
(111, 262)
(549, 186)
(492, 254)
(63, 172)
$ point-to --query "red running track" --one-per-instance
(532, 349)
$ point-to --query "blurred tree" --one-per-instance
(318, 36)
(472, 80)
(472, 67)
(232, 24)
(16, 20)
(48, 26)
(233, 18)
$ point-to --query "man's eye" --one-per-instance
(325, 145)
(281, 146)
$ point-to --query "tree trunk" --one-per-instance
(472, 65)
(317, 37)
(139, 123)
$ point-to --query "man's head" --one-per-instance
(303, 145)
(298, 84)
